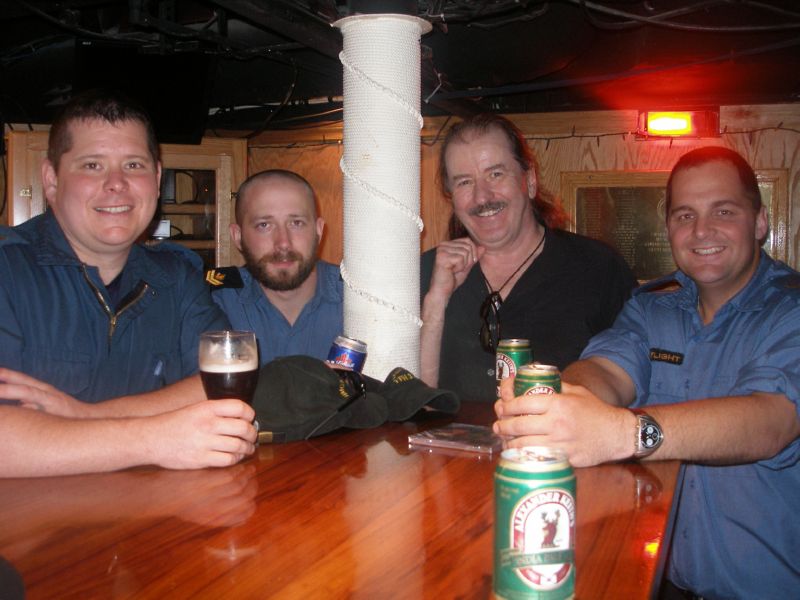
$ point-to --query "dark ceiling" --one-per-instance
(251, 65)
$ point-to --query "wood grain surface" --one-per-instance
(354, 514)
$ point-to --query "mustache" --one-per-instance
(487, 206)
(281, 256)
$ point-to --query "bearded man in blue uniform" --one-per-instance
(290, 298)
(708, 359)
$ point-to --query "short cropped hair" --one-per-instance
(544, 206)
(101, 105)
(709, 154)
(272, 174)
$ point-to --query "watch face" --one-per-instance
(650, 436)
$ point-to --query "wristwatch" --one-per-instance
(649, 435)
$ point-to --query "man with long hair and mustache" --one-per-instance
(509, 270)
(291, 299)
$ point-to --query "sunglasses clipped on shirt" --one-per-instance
(490, 323)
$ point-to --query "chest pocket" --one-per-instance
(669, 383)
(147, 372)
(69, 371)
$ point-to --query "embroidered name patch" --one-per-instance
(659, 355)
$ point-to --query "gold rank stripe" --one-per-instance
(214, 277)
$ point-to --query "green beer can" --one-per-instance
(536, 378)
(511, 355)
(534, 526)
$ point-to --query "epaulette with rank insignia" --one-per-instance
(224, 277)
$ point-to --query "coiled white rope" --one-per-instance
(380, 166)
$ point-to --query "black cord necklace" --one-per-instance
(495, 294)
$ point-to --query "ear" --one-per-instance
(320, 225)
(236, 235)
(158, 176)
(533, 185)
(49, 181)
(762, 224)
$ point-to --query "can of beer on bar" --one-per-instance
(536, 378)
(534, 526)
(511, 355)
(348, 353)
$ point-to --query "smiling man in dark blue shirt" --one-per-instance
(709, 359)
(87, 313)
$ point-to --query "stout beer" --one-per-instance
(233, 380)
(229, 364)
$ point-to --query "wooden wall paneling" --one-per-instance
(319, 164)
(435, 209)
(25, 196)
(609, 144)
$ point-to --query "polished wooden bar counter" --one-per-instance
(354, 514)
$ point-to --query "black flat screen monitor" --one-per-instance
(173, 87)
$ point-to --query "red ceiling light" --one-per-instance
(678, 124)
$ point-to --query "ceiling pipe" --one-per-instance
(288, 22)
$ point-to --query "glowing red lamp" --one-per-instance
(678, 124)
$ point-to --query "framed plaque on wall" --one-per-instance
(625, 209)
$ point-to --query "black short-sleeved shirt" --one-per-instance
(573, 290)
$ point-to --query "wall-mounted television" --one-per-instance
(174, 87)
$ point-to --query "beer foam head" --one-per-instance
(232, 365)
(228, 352)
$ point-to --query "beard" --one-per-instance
(283, 280)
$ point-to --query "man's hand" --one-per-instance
(29, 392)
(454, 260)
(213, 433)
(576, 421)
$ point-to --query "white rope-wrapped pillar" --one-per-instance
(380, 166)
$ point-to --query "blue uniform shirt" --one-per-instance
(54, 323)
(316, 327)
(737, 533)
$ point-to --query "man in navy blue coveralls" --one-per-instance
(98, 334)
(710, 357)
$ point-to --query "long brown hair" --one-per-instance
(544, 205)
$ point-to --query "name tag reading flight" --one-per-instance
(659, 355)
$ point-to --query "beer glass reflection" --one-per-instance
(229, 364)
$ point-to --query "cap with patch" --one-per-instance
(405, 395)
(298, 397)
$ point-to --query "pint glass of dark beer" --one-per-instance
(229, 364)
